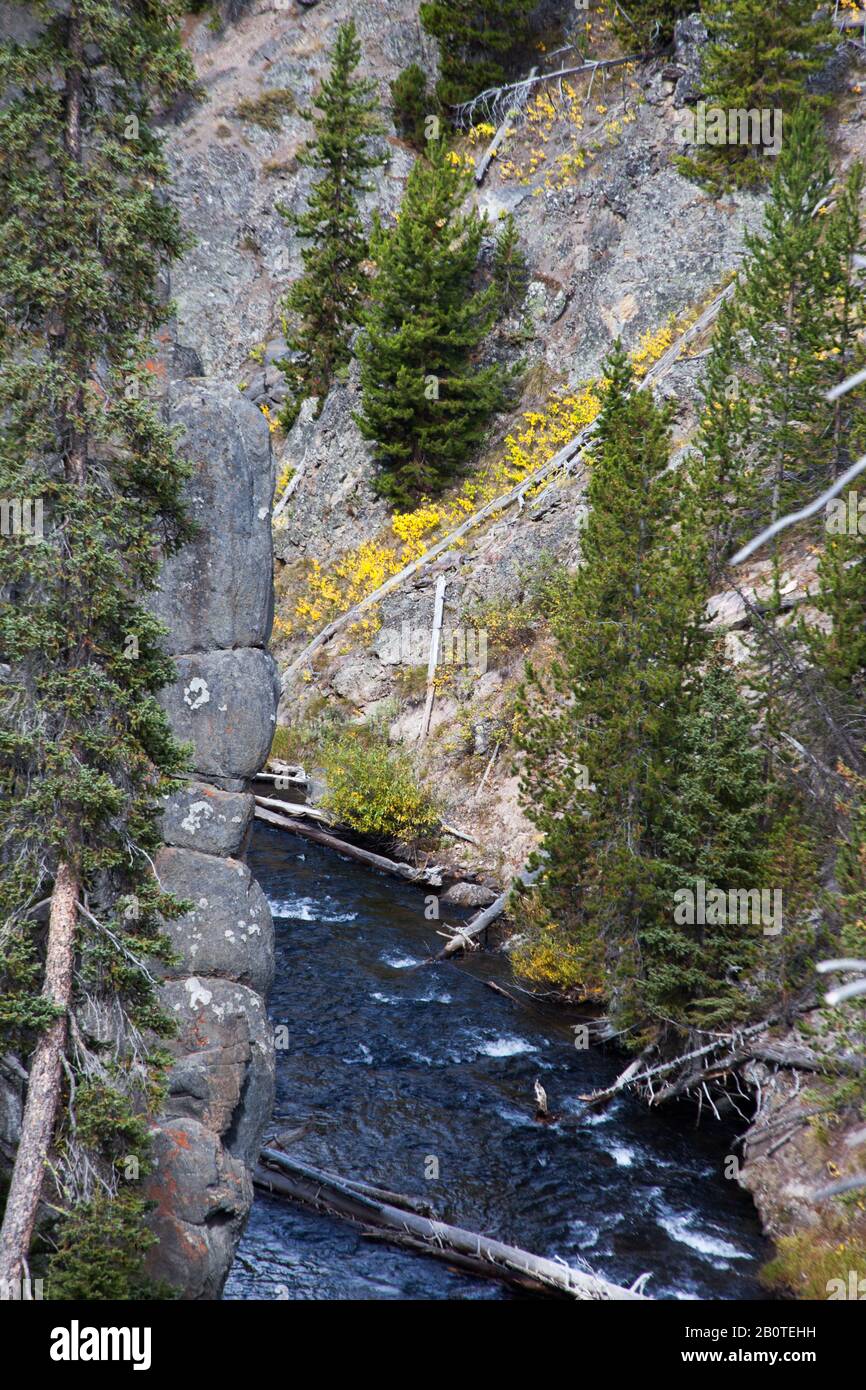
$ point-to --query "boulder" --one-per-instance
(224, 703)
(203, 818)
(223, 1073)
(228, 932)
(361, 680)
(728, 611)
(203, 1195)
(690, 38)
(217, 591)
(465, 894)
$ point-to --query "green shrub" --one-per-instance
(268, 109)
(101, 1251)
(411, 104)
(649, 23)
(374, 790)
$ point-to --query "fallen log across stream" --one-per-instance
(463, 938)
(403, 1226)
(431, 875)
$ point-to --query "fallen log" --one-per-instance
(433, 876)
(465, 1264)
(511, 114)
(624, 1079)
(497, 1260)
(635, 1076)
(284, 779)
(281, 1186)
(297, 808)
(464, 112)
(566, 458)
(487, 771)
(301, 808)
(563, 458)
(466, 935)
(458, 834)
(433, 659)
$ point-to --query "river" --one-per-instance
(404, 1073)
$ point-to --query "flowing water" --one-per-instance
(400, 1072)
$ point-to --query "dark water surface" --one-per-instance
(394, 1066)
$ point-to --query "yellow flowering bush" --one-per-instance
(653, 345)
(273, 422)
(547, 954)
(543, 120)
(374, 789)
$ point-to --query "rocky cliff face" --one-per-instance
(216, 600)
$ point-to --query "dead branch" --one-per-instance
(433, 875)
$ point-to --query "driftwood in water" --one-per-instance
(281, 1186)
(713, 1059)
(283, 779)
(505, 1262)
(465, 936)
(433, 876)
(297, 808)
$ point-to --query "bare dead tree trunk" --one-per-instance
(43, 1087)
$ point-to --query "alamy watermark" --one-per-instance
(718, 907)
(22, 516)
(410, 646)
(21, 1290)
(853, 1288)
(846, 516)
(718, 125)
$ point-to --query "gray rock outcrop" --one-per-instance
(216, 601)
(217, 592)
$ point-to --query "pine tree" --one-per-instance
(597, 733)
(759, 58)
(785, 316)
(479, 40)
(411, 105)
(84, 746)
(425, 403)
(791, 331)
(722, 487)
(509, 265)
(838, 646)
(328, 297)
(711, 834)
(644, 24)
(844, 243)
